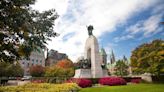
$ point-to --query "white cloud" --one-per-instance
(104, 15)
(145, 28)
(60, 5)
(117, 39)
(151, 25)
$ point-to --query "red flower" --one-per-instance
(82, 82)
(112, 81)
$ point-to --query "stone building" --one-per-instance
(111, 65)
(36, 58)
(53, 57)
(103, 58)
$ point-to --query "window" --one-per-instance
(40, 61)
(28, 64)
(36, 61)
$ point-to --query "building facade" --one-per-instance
(53, 57)
(112, 64)
(36, 58)
(103, 58)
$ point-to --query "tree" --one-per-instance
(57, 74)
(148, 57)
(121, 68)
(17, 70)
(4, 69)
(67, 67)
(65, 63)
(10, 70)
(23, 29)
(37, 71)
(57, 71)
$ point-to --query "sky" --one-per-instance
(119, 25)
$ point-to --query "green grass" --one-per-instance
(127, 88)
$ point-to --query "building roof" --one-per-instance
(102, 51)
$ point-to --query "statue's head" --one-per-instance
(90, 28)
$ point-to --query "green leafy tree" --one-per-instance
(4, 69)
(17, 70)
(121, 68)
(23, 29)
(57, 71)
(148, 57)
(10, 70)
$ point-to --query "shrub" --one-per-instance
(42, 87)
(81, 82)
(56, 71)
(112, 81)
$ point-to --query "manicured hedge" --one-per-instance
(82, 82)
(112, 81)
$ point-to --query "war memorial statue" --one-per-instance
(90, 65)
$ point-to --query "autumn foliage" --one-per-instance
(63, 68)
(148, 57)
(65, 63)
(37, 71)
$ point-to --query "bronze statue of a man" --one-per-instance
(90, 28)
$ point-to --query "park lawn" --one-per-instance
(127, 88)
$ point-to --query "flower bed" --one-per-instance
(112, 81)
(42, 87)
(81, 82)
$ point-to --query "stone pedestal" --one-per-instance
(147, 77)
(83, 73)
(105, 73)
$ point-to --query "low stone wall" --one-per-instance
(145, 77)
